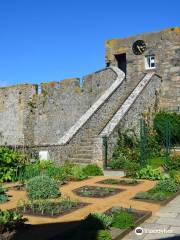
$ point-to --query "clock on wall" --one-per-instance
(138, 47)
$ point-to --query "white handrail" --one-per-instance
(126, 105)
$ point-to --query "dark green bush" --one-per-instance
(163, 120)
(11, 162)
(117, 162)
(42, 187)
(131, 167)
(92, 170)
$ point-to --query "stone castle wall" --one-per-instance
(165, 45)
(14, 109)
(28, 117)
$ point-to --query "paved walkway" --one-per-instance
(112, 173)
(166, 220)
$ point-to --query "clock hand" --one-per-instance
(139, 48)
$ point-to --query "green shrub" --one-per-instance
(167, 185)
(117, 162)
(42, 187)
(131, 167)
(160, 124)
(175, 175)
(78, 173)
(47, 168)
(29, 171)
(153, 148)
(103, 235)
(10, 220)
(149, 173)
(173, 162)
(128, 145)
(122, 220)
(3, 196)
(11, 162)
(156, 162)
(92, 170)
(57, 173)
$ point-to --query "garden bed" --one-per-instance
(96, 192)
(139, 217)
(161, 202)
(125, 182)
(47, 208)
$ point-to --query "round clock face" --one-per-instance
(138, 47)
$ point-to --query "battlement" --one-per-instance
(42, 113)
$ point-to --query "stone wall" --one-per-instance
(14, 112)
(41, 115)
(165, 45)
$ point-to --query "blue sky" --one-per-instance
(44, 40)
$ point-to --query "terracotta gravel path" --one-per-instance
(121, 199)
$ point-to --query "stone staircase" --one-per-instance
(84, 152)
(80, 144)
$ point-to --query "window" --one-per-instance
(150, 62)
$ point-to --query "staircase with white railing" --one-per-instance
(95, 122)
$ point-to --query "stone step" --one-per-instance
(85, 144)
(85, 151)
(88, 140)
(84, 156)
(86, 147)
(79, 160)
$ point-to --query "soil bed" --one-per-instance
(96, 192)
(139, 217)
(161, 202)
(125, 182)
(59, 210)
